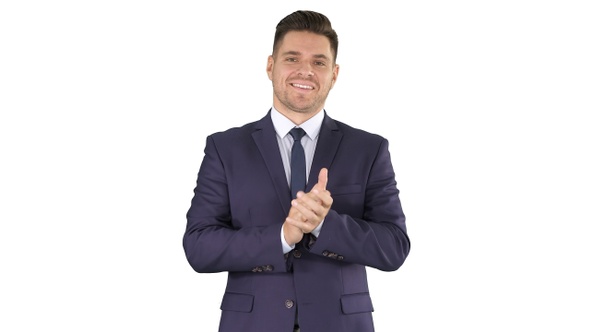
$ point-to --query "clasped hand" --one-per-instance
(308, 210)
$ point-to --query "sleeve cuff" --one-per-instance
(316, 231)
(286, 246)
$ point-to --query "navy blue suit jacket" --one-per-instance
(240, 203)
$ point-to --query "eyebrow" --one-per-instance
(316, 56)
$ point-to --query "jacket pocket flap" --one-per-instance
(356, 303)
(237, 302)
(345, 189)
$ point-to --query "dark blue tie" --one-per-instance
(298, 178)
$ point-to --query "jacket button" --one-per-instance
(297, 253)
(289, 304)
(340, 257)
(325, 253)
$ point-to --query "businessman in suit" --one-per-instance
(297, 261)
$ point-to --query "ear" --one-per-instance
(335, 74)
(269, 67)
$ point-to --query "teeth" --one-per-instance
(302, 86)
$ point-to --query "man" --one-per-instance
(297, 261)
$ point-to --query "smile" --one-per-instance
(301, 86)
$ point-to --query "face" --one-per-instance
(302, 72)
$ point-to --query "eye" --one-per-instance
(291, 60)
(320, 63)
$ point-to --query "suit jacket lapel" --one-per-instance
(329, 141)
(265, 138)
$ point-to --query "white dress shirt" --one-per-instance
(282, 127)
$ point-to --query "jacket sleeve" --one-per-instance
(367, 225)
(212, 241)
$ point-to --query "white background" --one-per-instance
(105, 106)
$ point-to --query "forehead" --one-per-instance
(305, 42)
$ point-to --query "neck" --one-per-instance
(298, 117)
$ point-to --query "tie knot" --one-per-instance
(297, 133)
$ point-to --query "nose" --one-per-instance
(306, 69)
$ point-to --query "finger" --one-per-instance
(305, 211)
(323, 197)
(316, 202)
(322, 179)
(295, 214)
(304, 227)
(301, 225)
(326, 199)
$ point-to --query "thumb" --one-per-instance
(323, 179)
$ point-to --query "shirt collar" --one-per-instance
(282, 124)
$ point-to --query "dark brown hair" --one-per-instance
(306, 20)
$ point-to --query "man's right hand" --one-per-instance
(305, 217)
(292, 234)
